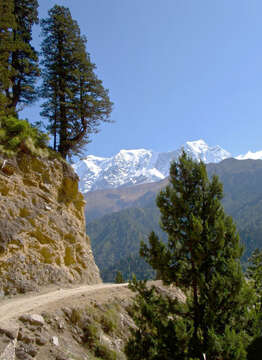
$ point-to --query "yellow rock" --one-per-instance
(42, 226)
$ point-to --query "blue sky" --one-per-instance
(176, 70)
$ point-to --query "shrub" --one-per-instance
(119, 278)
(104, 352)
(19, 135)
(91, 335)
(108, 321)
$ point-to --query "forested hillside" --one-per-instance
(116, 240)
(107, 201)
(116, 237)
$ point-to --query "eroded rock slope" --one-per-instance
(42, 226)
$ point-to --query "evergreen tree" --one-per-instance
(202, 258)
(7, 23)
(119, 278)
(76, 102)
(160, 333)
(254, 274)
(18, 59)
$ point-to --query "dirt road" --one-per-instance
(11, 309)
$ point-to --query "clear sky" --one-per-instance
(176, 70)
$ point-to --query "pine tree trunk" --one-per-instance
(63, 137)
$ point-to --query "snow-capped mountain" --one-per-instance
(130, 167)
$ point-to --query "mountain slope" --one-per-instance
(116, 241)
(130, 167)
(113, 235)
(102, 202)
(116, 237)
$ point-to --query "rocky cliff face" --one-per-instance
(42, 226)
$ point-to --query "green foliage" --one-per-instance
(160, 333)
(92, 341)
(18, 135)
(109, 320)
(7, 22)
(91, 335)
(103, 352)
(119, 278)
(254, 273)
(76, 101)
(202, 257)
(18, 60)
(96, 320)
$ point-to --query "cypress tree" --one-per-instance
(76, 102)
(202, 258)
(18, 60)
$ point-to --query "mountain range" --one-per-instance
(140, 166)
(120, 192)
(118, 219)
(131, 167)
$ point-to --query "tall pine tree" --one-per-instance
(18, 59)
(76, 101)
(202, 258)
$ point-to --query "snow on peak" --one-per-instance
(199, 150)
(251, 155)
(138, 166)
(133, 155)
(134, 152)
(197, 146)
